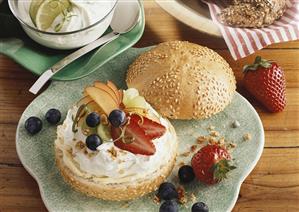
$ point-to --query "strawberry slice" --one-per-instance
(134, 140)
(151, 128)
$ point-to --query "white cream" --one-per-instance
(82, 14)
(126, 166)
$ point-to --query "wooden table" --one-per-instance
(272, 186)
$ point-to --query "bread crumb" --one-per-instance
(247, 137)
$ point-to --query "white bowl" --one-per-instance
(65, 40)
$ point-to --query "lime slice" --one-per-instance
(34, 5)
(48, 11)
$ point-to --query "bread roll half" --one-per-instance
(182, 80)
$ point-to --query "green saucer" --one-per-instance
(37, 152)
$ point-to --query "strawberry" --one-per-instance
(138, 134)
(265, 80)
(211, 164)
(151, 128)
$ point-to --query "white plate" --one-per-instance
(193, 13)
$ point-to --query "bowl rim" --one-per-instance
(59, 33)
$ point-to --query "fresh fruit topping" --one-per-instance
(265, 80)
(151, 128)
(53, 116)
(47, 12)
(129, 95)
(93, 119)
(199, 207)
(211, 164)
(107, 89)
(104, 132)
(136, 102)
(131, 137)
(117, 92)
(103, 99)
(169, 206)
(93, 141)
(117, 118)
(167, 191)
(33, 125)
(186, 174)
(137, 134)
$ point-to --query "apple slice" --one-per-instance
(111, 85)
(106, 88)
(103, 99)
(121, 95)
(85, 100)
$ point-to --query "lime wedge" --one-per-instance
(48, 11)
(34, 5)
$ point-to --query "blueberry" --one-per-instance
(53, 116)
(33, 125)
(169, 206)
(199, 207)
(93, 119)
(93, 141)
(167, 191)
(186, 174)
(117, 118)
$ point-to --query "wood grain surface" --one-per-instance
(272, 186)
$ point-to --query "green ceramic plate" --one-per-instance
(37, 152)
(38, 59)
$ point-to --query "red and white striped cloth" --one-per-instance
(245, 41)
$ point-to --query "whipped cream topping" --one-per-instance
(82, 13)
(109, 162)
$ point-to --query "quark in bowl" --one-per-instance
(77, 24)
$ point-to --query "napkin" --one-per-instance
(245, 41)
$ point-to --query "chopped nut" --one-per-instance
(113, 152)
(182, 197)
(193, 148)
(247, 137)
(192, 197)
(181, 163)
(201, 139)
(213, 141)
(211, 127)
(80, 145)
(222, 140)
(185, 154)
(156, 199)
(214, 133)
(104, 119)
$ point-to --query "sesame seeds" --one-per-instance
(176, 74)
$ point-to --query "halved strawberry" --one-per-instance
(151, 128)
(134, 138)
